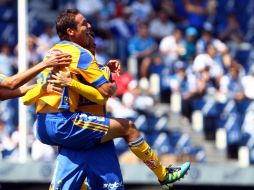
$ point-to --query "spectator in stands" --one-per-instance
(33, 55)
(169, 7)
(6, 60)
(123, 29)
(101, 54)
(190, 41)
(126, 106)
(108, 10)
(178, 81)
(211, 61)
(155, 65)
(142, 10)
(172, 47)
(46, 40)
(208, 38)
(91, 10)
(197, 12)
(105, 14)
(198, 85)
(231, 32)
(138, 97)
(161, 21)
(142, 45)
(230, 84)
(152, 65)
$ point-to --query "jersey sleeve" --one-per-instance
(88, 92)
(32, 95)
(89, 69)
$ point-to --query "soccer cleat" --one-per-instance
(174, 174)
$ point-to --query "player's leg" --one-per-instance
(99, 164)
(126, 129)
(104, 169)
(70, 170)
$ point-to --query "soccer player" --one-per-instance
(59, 124)
(100, 162)
(100, 174)
(10, 86)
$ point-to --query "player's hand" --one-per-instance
(114, 66)
(63, 59)
(61, 78)
(52, 88)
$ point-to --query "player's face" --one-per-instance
(82, 31)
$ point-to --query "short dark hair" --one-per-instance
(66, 20)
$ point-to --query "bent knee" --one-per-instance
(132, 130)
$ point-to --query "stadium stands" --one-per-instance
(218, 108)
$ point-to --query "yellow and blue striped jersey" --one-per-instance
(83, 68)
(88, 106)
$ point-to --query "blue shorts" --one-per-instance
(77, 130)
(99, 165)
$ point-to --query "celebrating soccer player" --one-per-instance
(58, 122)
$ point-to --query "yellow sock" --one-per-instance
(143, 151)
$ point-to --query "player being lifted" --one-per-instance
(59, 124)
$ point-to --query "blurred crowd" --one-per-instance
(201, 50)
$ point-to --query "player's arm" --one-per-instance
(107, 89)
(32, 95)
(91, 72)
(19, 79)
(9, 94)
(64, 79)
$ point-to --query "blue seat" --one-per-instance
(232, 127)
(242, 57)
(142, 123)
(181, 142)
(209, 108)
(160, 124)
(247, 129)
(226, 110)
(160, 142)
(197, 104)
(198, 153)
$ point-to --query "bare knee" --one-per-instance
(131, 133)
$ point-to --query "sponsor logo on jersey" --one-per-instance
(112, 185)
